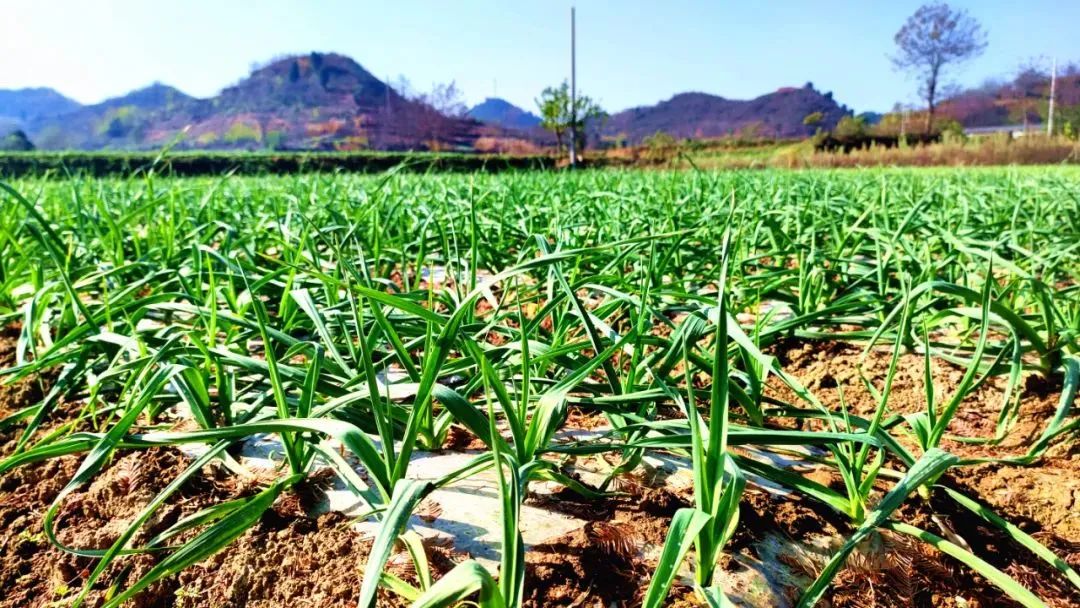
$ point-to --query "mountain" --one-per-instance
(701, 115)
(154, 97)
(24, 105)
(1024, 99)
(313, 101)
(496, 111)
(118, 123)
(870, 118)
(327, 101)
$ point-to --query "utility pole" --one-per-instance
(384, 128)
(573, 89)
(1053, 86)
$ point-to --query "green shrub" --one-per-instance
(16, 141)
(274, 139)
(243, 131)
(850, 128)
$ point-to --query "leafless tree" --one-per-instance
(402, 86)
(427, 117)
(439, 112)
(447, 100)
(932, 39)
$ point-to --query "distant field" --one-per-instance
(593, 388)
(706, 155)
(976, 151)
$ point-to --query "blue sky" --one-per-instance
(629, 53)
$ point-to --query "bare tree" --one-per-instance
(447, 100)
(935, 37)
(402, 86)
(435, 116)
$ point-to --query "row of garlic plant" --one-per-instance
(293, 305)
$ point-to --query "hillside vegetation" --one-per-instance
(329, 102)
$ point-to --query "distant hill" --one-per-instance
(118, 122)
(20, 106)
(1024, 99)
(314, 101)
(327, 101)
(701, 115)
(870, 118)
(496, 111)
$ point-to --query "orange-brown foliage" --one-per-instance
(506, 145)
(325, 128)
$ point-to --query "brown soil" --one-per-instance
(292, 557)
(1001, 551)
(829, 368)
(31, 570)
(1042, 499)
(289, 558)
(601, 564)
(887, 570)
(460, 439)
(34, 572)
(17, 395)
(610, 561)
(586, 420)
